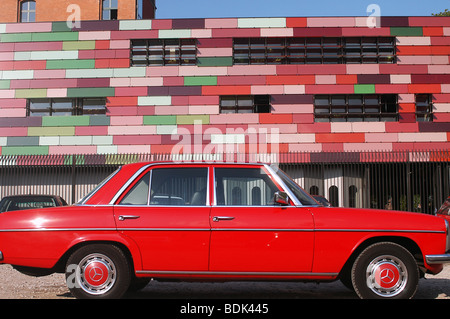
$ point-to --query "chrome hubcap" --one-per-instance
(386, 276)
(96, 274)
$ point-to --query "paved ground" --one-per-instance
(14, 285)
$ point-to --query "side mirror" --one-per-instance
(281, 198)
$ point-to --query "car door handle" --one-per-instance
(123, 217)
(219, 218)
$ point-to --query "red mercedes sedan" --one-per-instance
(220, 221)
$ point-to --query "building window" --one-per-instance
(66, 107)
(109, 9)
(424, 108)
(356, 108)
(163, 52)
(314, 50)
(245, 104)
(28, 11)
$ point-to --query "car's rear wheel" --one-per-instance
(385, 271)
(98, 271)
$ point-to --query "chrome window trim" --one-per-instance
(98, 187)
(142, 169)
(286, 189)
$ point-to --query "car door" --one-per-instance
(249, 232)
(166, 212)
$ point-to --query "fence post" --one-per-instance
(74, 178)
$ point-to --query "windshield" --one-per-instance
(302, 196)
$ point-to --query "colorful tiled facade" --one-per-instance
(150, 108)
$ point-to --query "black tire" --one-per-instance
(98, 271)
(385, 271)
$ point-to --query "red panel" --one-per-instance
(268, 118)
(407, 117)
(429, 21)
(134, 34)
(215, 43)
(433, 31)
(391, 88)
(102, 44)
(396, 127)
(317, 32)
(340, 138)
(242, 80)
(30, 65)
(131, 91)
(403, 69)
(291, 79)
(303, 118)
(162, 24)
(8, 65)
(296, 22)
(413, 50)
(424, 88)
(119, 63)
(333, 147)
(346, 79)
(330, 89)
(91, 130)
(407, 107)
(122, 101)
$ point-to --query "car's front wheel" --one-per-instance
(98, 271)
(385, 271)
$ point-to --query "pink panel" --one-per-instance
(132, 130)
(322, 69)
(331, 22)
(13, 131)
(267, 89)
(131, 91)
(13, 103)
(221, 23)
(167, 110)
(229, 33)
(277, 32)
(91, 130)
(325, 79)
(252, 70)
(214, 52)
(203, 109)
(49, 74)
(162, 71)
(315, 128)
(200, 71)
(6, 56)
(119, 110)
(136, 139)
(266, 128)
(294, 89)
(293, 108)
(439, 69)
(382, 137)
(152, 81)
(162, 24)
(305, 147)
(371, 127)
(341, 127)
(363, 69)
(115, 82)
(119, 44)
(7, 94)
(13, 113)
(203, 100)
(94, 35)
(414, 59)
(241, 80)
(234, 119)
(28, 27)
(80, 149)
(126, 120)
(201, 33)
(57, 92)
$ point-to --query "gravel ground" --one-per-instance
(14, 285)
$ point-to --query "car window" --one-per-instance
(243, 187)
(138, 195)
(179, 186)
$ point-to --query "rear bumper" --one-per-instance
(437, 259)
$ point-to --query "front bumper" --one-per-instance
(437, 259)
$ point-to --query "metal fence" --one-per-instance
(409, 181)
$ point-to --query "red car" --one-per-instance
(218, 221)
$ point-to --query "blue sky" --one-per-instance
(293, 8)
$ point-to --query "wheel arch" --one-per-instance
(132, 257)
(405, 242)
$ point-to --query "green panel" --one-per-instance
(25, 150)
(55, 36)
(90, 92)
(15, 37)
(160, 119)
(99, 120)
(4, 84)
(190, 119)
(31, 93)
(70, 64)
(79, 45)
(51, 131)
(407, 31)
(215, 61)
(65, 121)
(364, 88)
(60, 26)
(200, 80)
